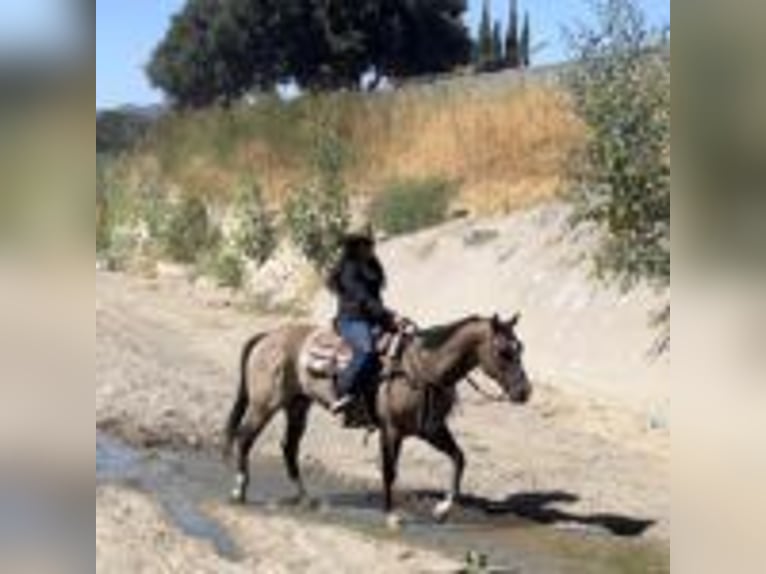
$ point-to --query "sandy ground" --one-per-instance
(132, 535)
(166, 357)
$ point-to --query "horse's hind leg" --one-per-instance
(443, 441)
(251, 428)
(297, 415)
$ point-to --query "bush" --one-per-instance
(257, 234)
(103, 225)
(317, 214)
(188, 231)
(621, 175)
(410, 205)
(317, 217)
(224, 265)
(103, 215)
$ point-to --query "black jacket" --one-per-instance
(359, 286)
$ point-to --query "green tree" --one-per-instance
(621, 176)
(217, 50)
(418, 37)
(512, 45)
(485, 44)
(497, 46)
(525, 56)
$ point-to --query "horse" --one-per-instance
(413, 400)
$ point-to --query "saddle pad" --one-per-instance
(325, 353)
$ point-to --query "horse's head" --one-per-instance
(501, 358)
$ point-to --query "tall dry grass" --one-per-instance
(505, 149)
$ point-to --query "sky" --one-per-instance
(127, 31)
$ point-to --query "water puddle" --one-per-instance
(525, 533)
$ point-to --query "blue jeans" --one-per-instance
(360, 335)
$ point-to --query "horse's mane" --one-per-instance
(434, 337)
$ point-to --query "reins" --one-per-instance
(489, 397)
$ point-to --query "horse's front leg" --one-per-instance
(443, 441)
(390, 449)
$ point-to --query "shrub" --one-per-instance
(317, 214)
(223, 265)
(317, 217)
(103, 215)
(257, 234)
(103, 227)
(188, 231)
(621, 175)
(410, 205)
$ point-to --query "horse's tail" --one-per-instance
(240, 403)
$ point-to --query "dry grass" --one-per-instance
(505, 149)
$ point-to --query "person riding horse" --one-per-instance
(358, 280)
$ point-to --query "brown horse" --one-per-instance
(414, 400)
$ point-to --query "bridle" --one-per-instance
(486, 395)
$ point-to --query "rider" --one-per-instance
(358, 280)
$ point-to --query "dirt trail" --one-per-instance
(166, 359)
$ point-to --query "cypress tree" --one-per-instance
(525, 43)
(512, 55)
(485, 48)
(497, 46)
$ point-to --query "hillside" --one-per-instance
(504, 146)
(579, 333)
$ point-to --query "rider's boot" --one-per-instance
(341, 404)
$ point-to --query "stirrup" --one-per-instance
(340, 405)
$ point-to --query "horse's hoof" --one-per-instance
(393, 522)
(442, 510)
(237, 497)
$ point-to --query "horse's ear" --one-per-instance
(515, 320)
(497, 323)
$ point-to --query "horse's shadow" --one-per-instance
(544, 508)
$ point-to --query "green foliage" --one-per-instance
(621, 90)
(476, 563)
(224, 266)
(118, 130)
(525, 49)
(317, 213)
(485, 51)
(257, 234)
(217, 51)
(497, 45)
(103, 215)
(512, 44)
(188, 231)
(410, 205)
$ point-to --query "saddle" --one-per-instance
(326, 354)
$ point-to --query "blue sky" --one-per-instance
(127, 30)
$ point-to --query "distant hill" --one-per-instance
(119, 129)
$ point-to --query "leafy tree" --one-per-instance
(512, 45)
(416, 37)
(621, 176)
(184, 64)
(217, 50)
